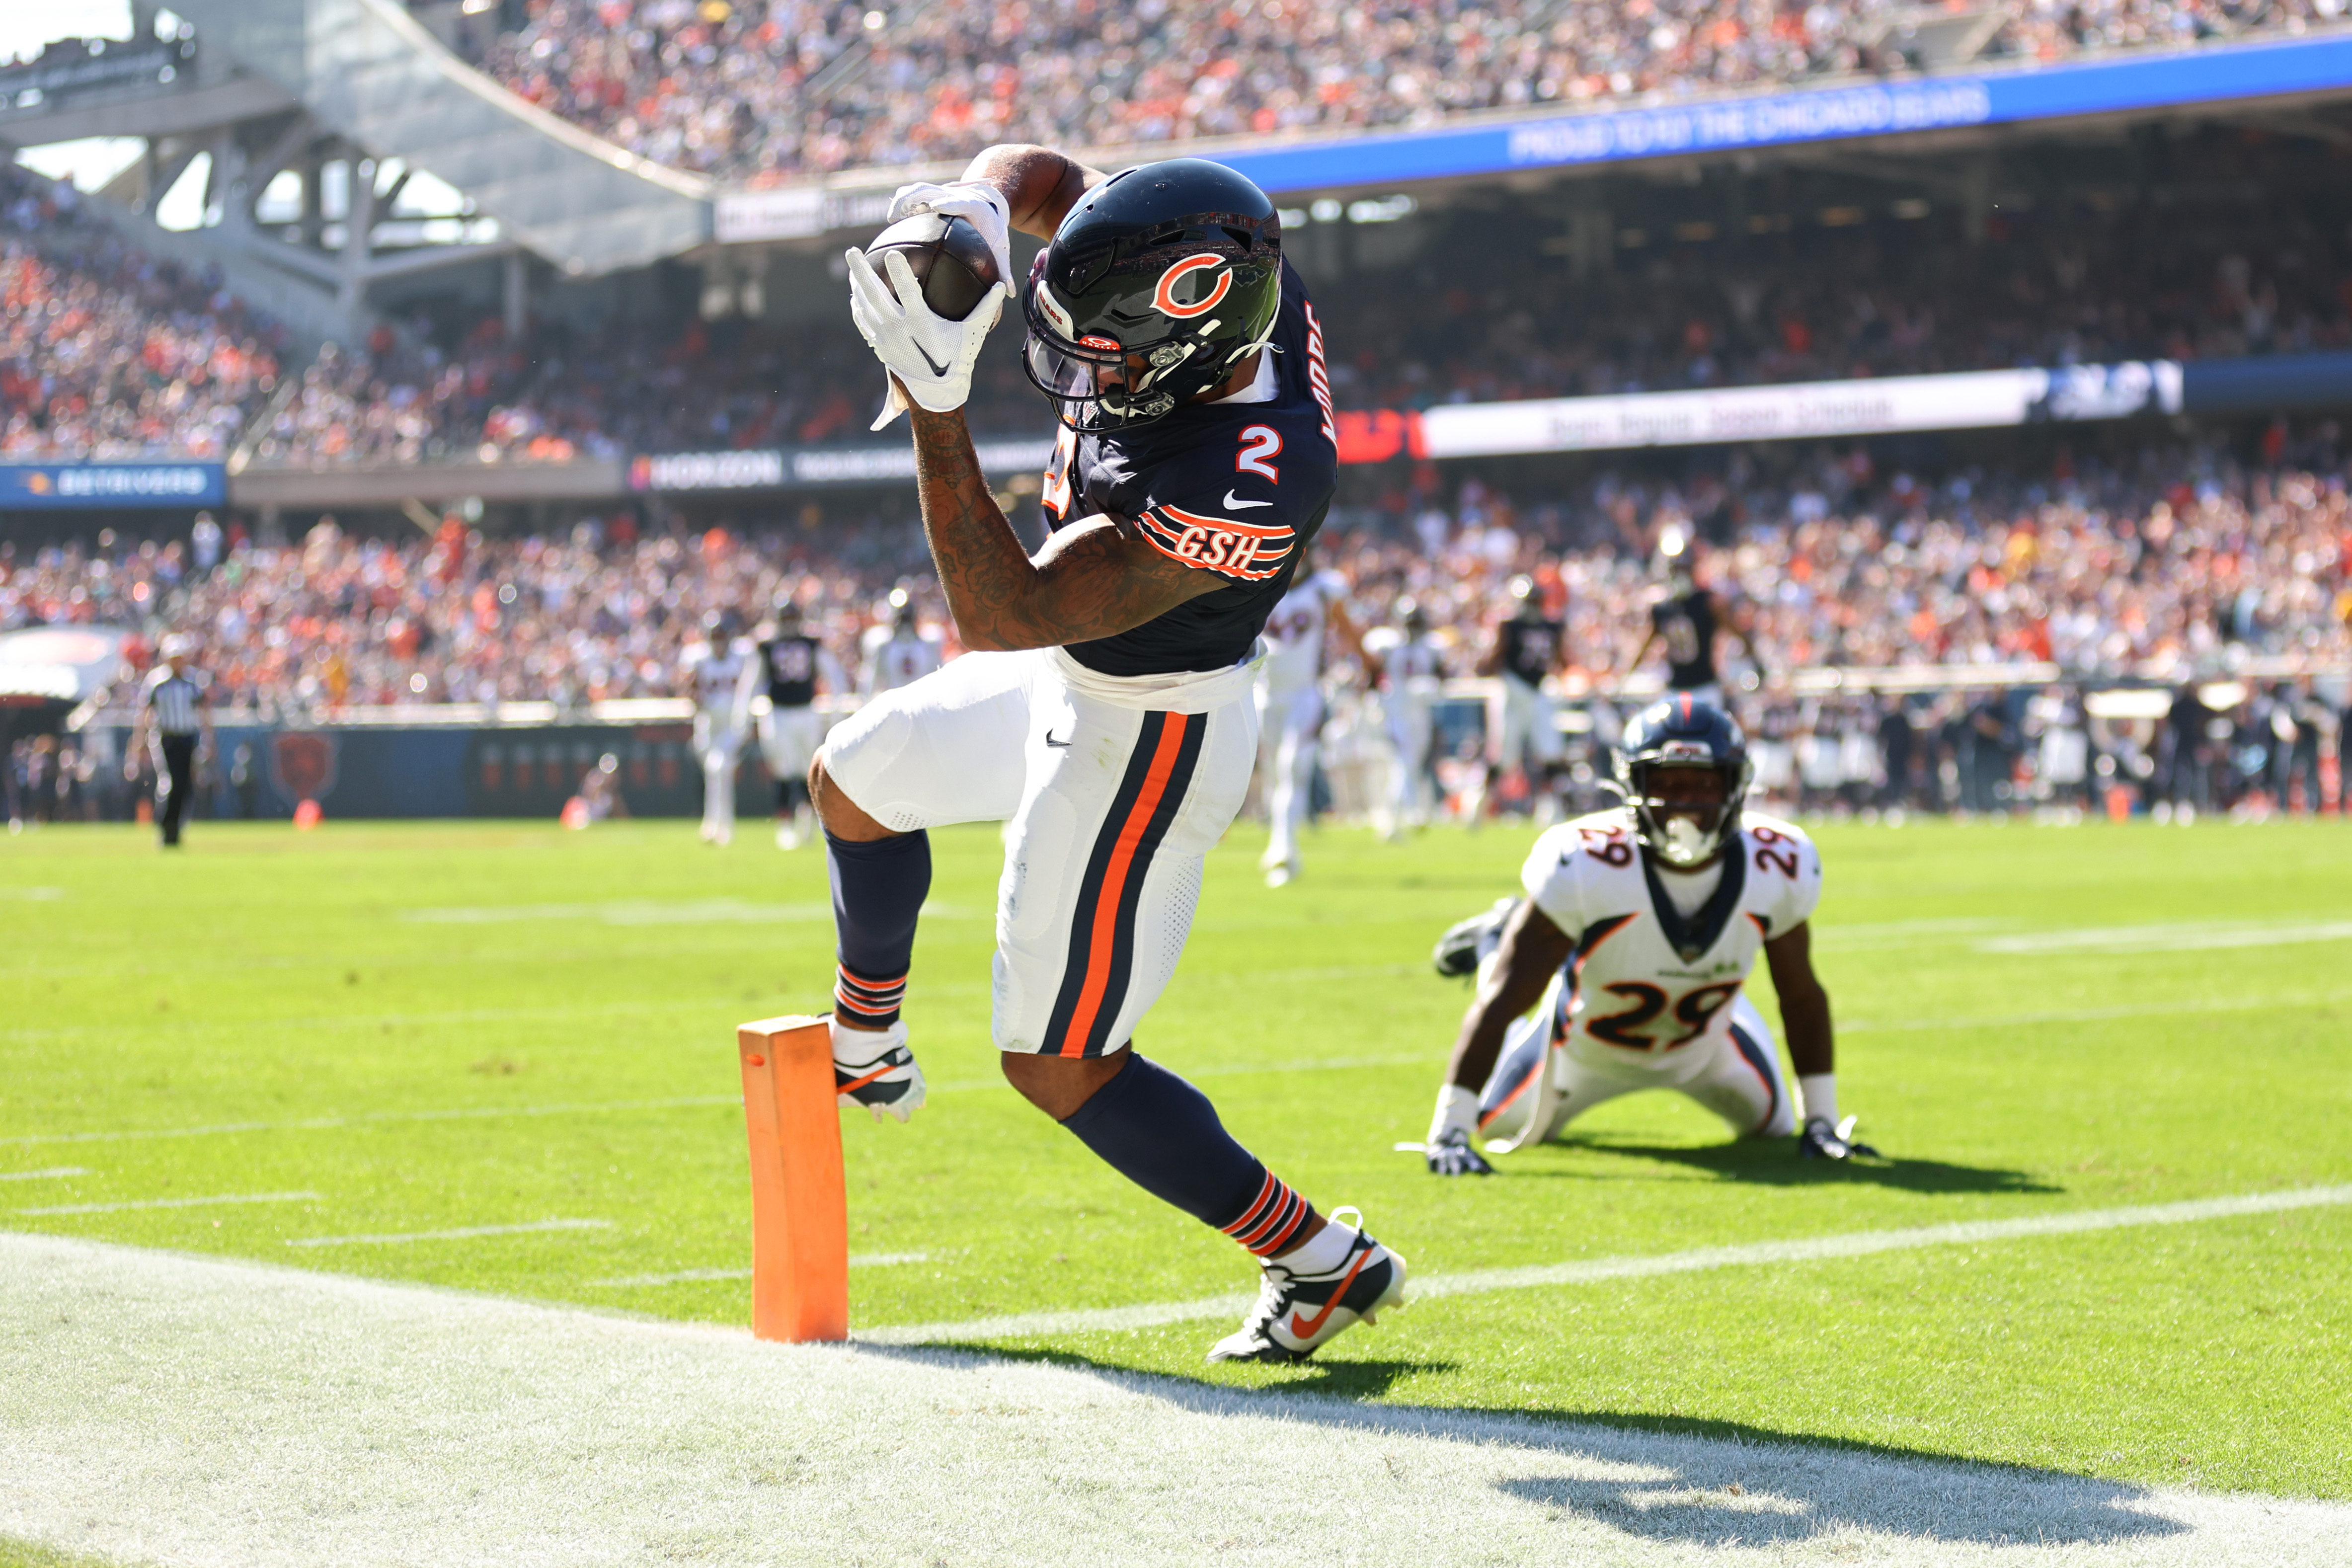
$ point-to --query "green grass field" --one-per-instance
(445, 1028)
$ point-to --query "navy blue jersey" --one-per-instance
(1685, 623)
(1531, 649)
(1235, 489)
(789, 664)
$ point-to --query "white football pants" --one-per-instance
(1290, 726)
(1537, 1088)
(1114, 789)
(717, 744)
(1411, 796)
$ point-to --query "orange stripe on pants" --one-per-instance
(1113, 883)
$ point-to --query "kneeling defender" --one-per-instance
(1624, 968)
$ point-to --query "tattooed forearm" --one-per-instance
(1088, 582)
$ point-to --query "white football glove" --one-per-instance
(932, 358)
(976, 201)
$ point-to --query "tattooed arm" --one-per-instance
(1095, 580)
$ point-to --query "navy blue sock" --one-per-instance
(1163, 1135)
(877, 891)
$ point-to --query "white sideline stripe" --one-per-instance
(1479, 1281)
(468, 1430)
(2201, 936)
(176, 1203)
(1351, 1064)
(374, 1118)
(38, 1175)
(462, 1233)
(694, 1275)
(645, 912)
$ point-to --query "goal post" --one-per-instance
(799, 1203)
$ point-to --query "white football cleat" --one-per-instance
(1299, 1314)
(875, 1069)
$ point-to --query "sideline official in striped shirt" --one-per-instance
(173, 717)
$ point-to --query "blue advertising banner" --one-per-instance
(40, 487)
(2145, 82)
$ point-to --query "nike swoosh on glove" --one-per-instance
(1453, 1156)
(1820, 1140)
(975, 201)
(931, 357)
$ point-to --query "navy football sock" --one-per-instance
(1163, 1135)
(878, 891)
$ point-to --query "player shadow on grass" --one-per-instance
(1664, 1478)
(1768, 1161)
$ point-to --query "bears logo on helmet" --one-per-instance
(1164, 296)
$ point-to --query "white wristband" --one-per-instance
(1457, 1114)
(1819, 1090)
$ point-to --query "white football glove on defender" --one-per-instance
(977, 201)
(930, 357)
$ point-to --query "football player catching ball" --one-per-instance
(1623, 968)
(1105, 712)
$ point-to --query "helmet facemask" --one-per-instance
(1685, 809)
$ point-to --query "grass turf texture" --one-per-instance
(504, 1024)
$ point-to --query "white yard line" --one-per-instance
(1351, 1064)
(54, 1171)
(461, 1233)
(2200, 936)
(174, 1203)
(155, 1407)
(698, 1276)
(1584, 1271)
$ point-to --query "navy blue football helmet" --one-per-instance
(1159, 282)
(1682, 731)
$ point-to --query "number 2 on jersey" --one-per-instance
(1259, 445)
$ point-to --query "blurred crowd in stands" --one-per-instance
(109, 353)
(106, 351)
(770, 90)
(2178, 567)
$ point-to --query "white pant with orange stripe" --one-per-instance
(1538, 1087)
(1115, 788)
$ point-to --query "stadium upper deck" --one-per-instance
(797, 88)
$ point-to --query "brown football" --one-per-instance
(948, 256)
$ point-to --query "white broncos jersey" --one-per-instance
(1294, 633)
(1649, 991)
(715, 672)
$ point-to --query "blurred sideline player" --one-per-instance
(1290, 705)
(1412, 670)
(789, 664)
(1687, 619)
(897, 652)
(1623, 969)
(714, 666)
(1528, 648)
(1105, 712)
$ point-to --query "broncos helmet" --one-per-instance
(1682, 731)
(1158, 283)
